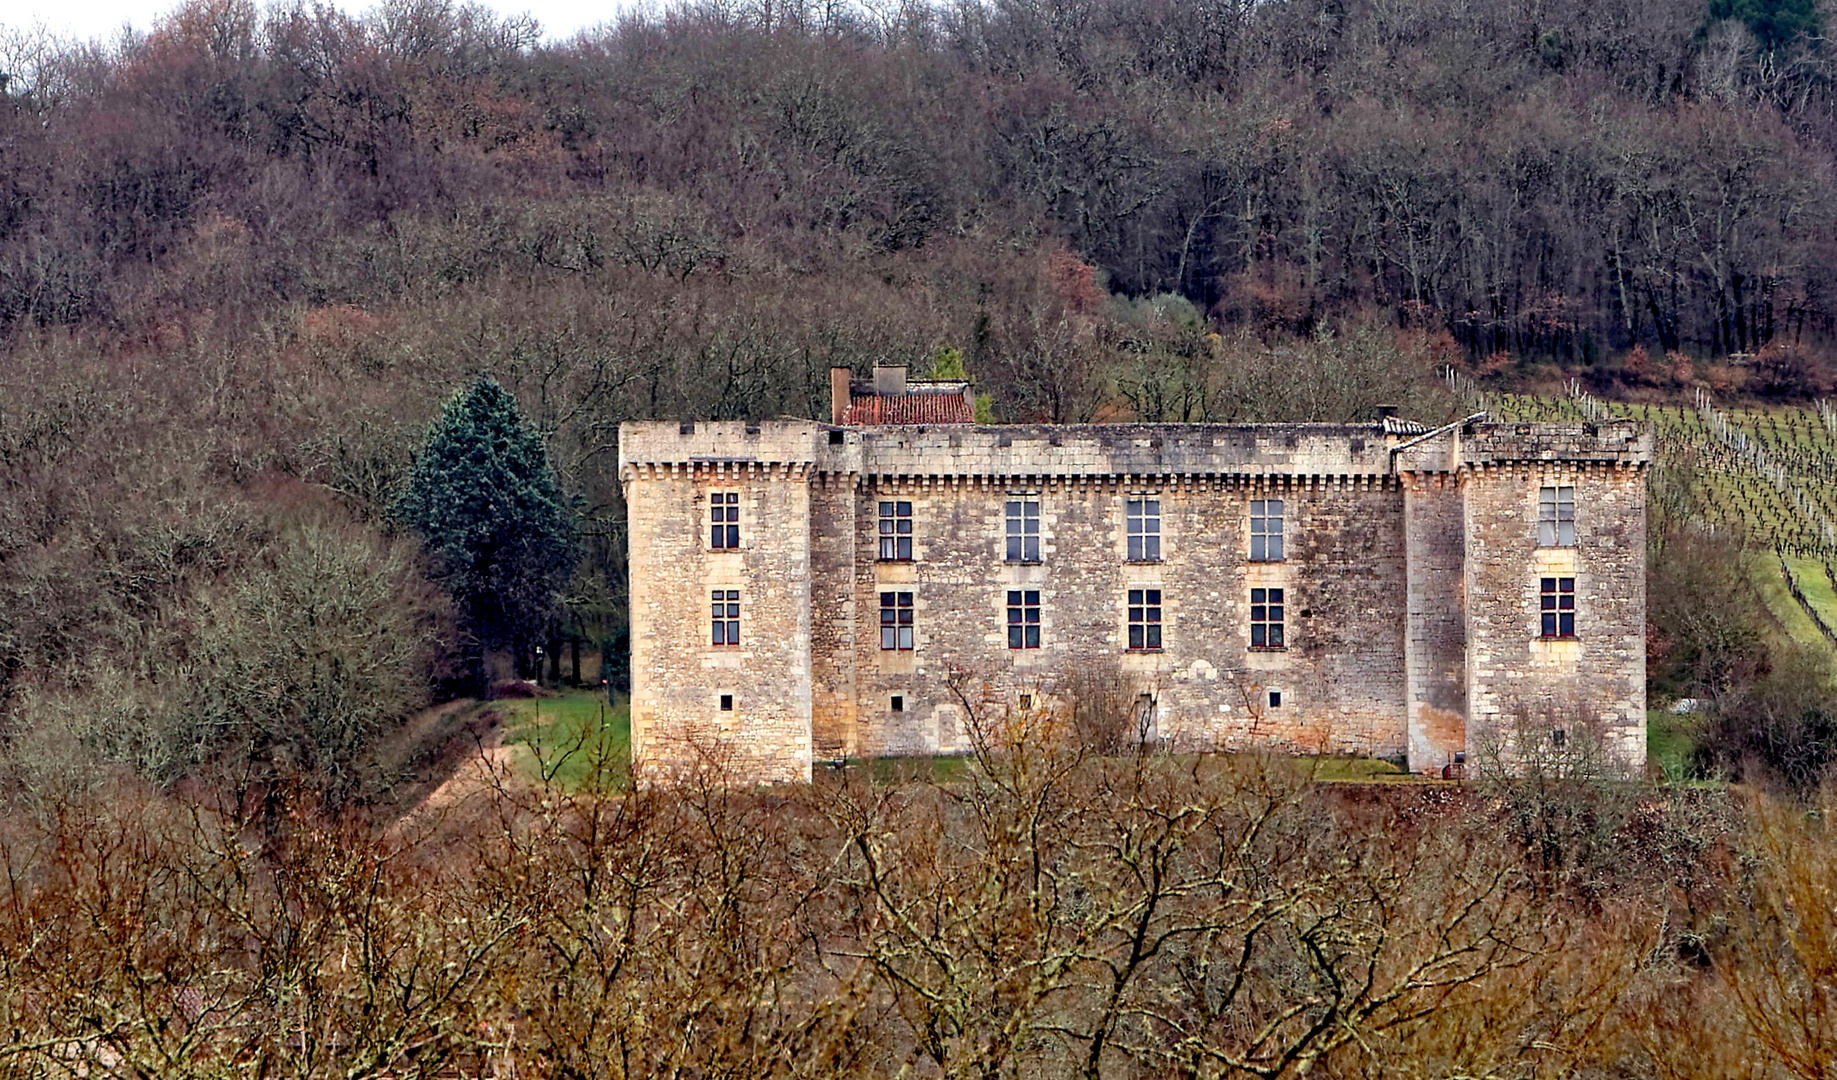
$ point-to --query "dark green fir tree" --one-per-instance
(501, 536)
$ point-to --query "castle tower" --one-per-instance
(719, 518)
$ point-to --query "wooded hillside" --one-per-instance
(246, 255)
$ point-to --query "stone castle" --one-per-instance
(804, 591)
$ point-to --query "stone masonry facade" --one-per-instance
(1423, 600)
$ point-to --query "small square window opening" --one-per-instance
(895, 531)
(899, 703)
(1144, 619)
(727, 703)
(896, 621)
(1266, 530)
(1144, 528)
(1023, 619)
(1266, 619)
(1026, 701)
(724, 520)
(1275, 699)
(1556, 517)
(726, 604)
(1023, 516)
(1556, 606)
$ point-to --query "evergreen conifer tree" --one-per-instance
(501, 534)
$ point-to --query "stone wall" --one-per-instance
(678, 676)
(1410, 585)
(1340, 676)
(1435, 646)
(1523, 689)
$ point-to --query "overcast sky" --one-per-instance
(90, 19)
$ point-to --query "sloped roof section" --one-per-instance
(944, 403)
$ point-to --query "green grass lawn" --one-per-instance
(1669, 743)
(1353, 768)
(1785, 610)
(574, 739)
(1808, 574)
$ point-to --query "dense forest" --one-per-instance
(246, 254)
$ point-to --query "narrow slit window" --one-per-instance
(1556, 604)
(1023, 530)
(1144, 525)
(724, 520)
(1023, 619)
(1266, 619)
(726, 606)
(1556, 517)
(1266, 530)
(896, 621)
(1144, 619)
(895, 531)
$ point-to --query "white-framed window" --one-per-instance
(1023, 517)
(895, 531)
(1266, 621)
(1023, 618)
(1144, 620)
(1556, 516)
(896, 621)
(1144, 528)
(1556, 607)
(726, 621)
(1266, 530)
(724, 520)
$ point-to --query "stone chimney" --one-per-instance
(890, 381)
(838, 395)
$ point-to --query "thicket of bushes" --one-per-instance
(1051, 914)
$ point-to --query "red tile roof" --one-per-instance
(909, 408)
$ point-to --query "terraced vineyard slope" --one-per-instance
(1767, 474)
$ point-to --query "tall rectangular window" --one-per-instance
(1266, 530)
(1266, 619)
(896, 621)
(724, 519)
(1144, 516)
(1023, 530)
(1556, 603)
(1556, 517)
(1023, 619)
(1144, 618)
(726, 616)
(895, 531)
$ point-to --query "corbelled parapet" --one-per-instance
(1617, 442)
(1477, 444)
(725, 444)
(1072, 450)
